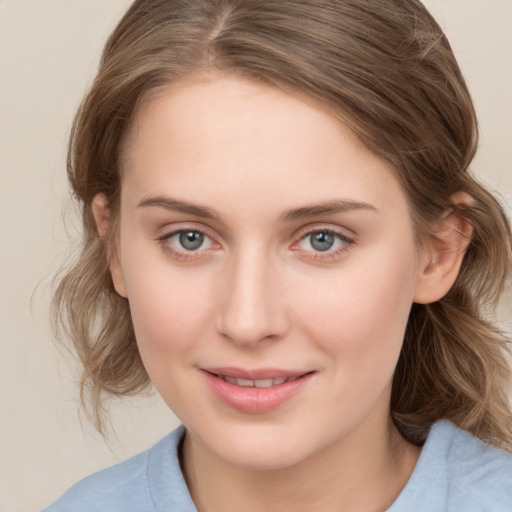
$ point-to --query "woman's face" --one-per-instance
(270, 266)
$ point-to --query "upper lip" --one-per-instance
(255, 374)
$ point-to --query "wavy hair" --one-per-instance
(384, 68)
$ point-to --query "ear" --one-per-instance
(102, 216)
(440, 263)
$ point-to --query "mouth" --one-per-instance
(256, 391)
(256, 383)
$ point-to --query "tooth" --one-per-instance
(263, 383)
(245, 383)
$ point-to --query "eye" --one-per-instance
(321, 241)
(324, 241)
(189, 240)
(185, 243)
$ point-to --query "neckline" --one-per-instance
(413, 488)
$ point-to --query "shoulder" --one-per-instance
(476, 471)
(109, 489)
(129, 486)
(457, 472)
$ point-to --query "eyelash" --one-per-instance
(328, 255)
(344, 241)
(183, 255)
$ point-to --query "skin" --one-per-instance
(258, 294)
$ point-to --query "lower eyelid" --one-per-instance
(183, 255)
(327, 255)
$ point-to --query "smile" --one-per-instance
(256, 391)
(261, 383)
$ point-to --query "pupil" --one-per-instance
(322, 241)
(191, 240)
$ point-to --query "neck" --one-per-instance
(365, 471)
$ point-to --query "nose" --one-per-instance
(252, 308)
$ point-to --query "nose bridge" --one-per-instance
(251, 309)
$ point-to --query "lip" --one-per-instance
(255, 374)
(255, 400)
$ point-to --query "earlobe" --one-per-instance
(440, 263)
(102, 217)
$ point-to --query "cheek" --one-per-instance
(360, 315)
(170, 309)
(170, 316)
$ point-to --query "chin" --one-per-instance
(263, 459)
(259, 447)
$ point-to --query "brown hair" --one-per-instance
(387, 70)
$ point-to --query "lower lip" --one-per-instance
(255, 400)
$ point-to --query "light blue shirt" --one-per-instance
(455, 473)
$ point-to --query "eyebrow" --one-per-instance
(304, 212)
(176, 205)
(325, 208)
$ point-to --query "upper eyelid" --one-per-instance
(342, 238)
(319, 228)
(330, 231)
(168, 231)
(173, 232)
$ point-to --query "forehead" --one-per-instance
(226, 139)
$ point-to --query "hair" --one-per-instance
(384, 68)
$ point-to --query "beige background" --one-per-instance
(48, 53)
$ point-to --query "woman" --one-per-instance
(282, 235)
